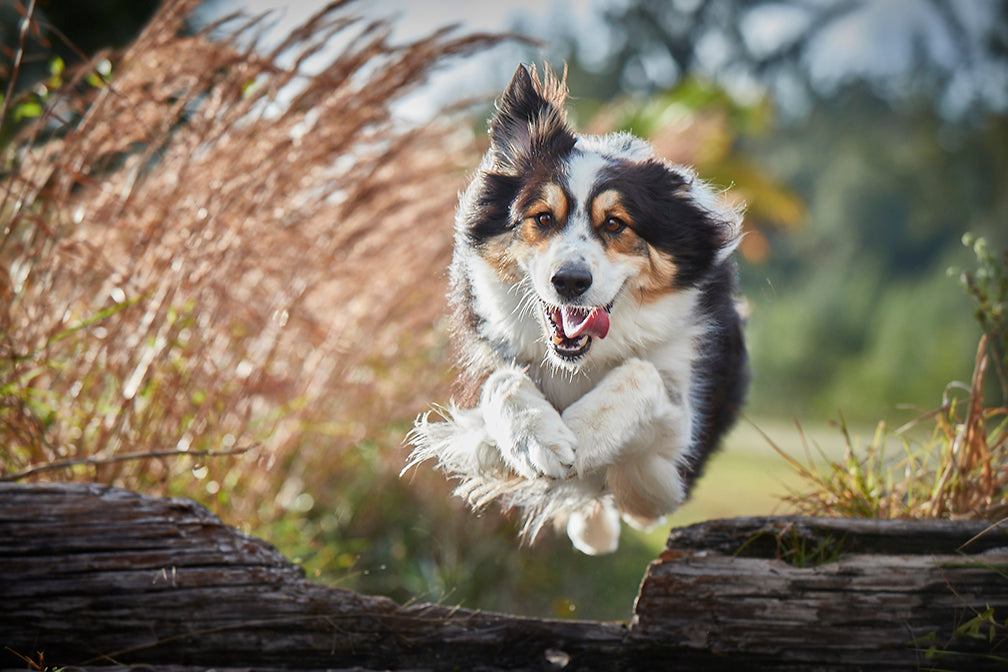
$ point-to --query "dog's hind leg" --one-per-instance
(595, 530)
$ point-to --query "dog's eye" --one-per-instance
(614, 224)
(545, 219)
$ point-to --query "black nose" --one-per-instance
(571, 281)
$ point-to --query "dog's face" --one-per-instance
(581, 225)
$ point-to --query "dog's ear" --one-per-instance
(531, 121)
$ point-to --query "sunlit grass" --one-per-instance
(951, 462)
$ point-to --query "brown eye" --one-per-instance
(614, 224)
(545, 219)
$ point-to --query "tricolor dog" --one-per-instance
(594, 313)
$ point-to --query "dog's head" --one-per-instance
(579, 225)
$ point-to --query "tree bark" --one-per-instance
(100, 578)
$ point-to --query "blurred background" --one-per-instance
(226, 226)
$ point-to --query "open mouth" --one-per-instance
(573, 327)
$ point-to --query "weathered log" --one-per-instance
(808, 593)
(91, 575)
(101, 577)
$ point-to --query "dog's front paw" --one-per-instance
(628, 411)
(527, 430)
(542, 446)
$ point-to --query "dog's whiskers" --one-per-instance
(528, 302)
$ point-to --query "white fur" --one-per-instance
(581, 172)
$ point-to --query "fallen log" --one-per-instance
(101, 578)
(811, 593)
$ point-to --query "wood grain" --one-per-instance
(873, 594)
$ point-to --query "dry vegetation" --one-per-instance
(956, 469)
(208, 252)
(952, 461)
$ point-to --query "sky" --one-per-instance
(880, 41)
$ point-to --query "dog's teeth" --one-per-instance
(557, 339)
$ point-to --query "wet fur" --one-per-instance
(623, 428)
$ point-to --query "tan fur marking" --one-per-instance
(656, 277)
(499, 253)
(625, 242)
(606, 204)
(657, 269)
(556, 201)
(610, 204)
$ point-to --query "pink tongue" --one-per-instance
(578, 321)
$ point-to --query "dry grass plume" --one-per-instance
(208, 251)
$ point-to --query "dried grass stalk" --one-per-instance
(959, 470)
(211, 250)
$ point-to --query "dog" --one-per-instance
(594, 313)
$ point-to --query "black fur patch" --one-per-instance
(530, 126)
(665, 216)
(492, 215)
(723, 366)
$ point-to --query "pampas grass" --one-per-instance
(205, 253)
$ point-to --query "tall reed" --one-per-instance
(205, 252)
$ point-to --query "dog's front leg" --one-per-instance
(532, 438)
(637, 428)
(625, 413)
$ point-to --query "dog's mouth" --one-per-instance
(573, 327)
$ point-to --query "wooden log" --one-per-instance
(101, 578)
(92, 575)
(815, 593)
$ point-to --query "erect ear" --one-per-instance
(530, 120)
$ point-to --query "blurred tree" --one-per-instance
(90, 25)
(802, 51)
(57, 33)
(854, 311)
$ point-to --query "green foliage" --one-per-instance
(692, 96)
(31, 103)
(985, 629)
(958, 468)
(841, 304)
(799, 550)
